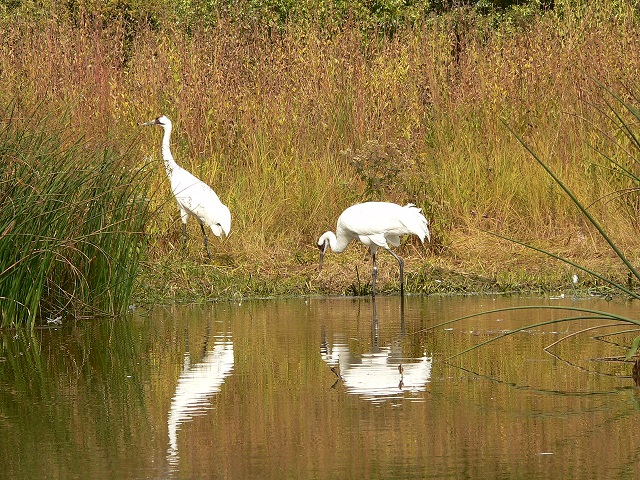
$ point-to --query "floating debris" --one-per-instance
(55, 321)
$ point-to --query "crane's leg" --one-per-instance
(184, 216)
(206, 242)
(401, 263)
(375, 326)
(374, 275)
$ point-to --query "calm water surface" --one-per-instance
(322, 388)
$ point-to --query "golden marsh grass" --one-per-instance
(292, 125)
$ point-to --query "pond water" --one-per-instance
(323, 388)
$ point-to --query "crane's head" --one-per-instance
(162, 121)
(223, 221)
(323, 246)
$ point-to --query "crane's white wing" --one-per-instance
(186, 186)
(198, 199)
(383, 222)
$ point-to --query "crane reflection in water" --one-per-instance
(198, 384)
(380, 374)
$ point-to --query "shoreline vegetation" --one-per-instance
(292, 111)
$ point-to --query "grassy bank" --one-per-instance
(290, 125)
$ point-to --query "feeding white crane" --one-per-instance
(376, 225)
(194, 197)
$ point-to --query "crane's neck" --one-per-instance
(169, 163)
(337, 245)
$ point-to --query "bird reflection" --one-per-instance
(197, 384)
(383, 372)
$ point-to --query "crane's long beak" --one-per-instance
(152, 122)
(323, 250)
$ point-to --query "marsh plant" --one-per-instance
(620, 164)
(72, 218)
(266, 100)
(380, 168)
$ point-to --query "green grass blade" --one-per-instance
(535, 325)
(633, 349)
(533, 307)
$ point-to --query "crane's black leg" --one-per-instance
(184, 235)
(374, 275)
(401, 263)
(206, 242)
(375, 326)
(402, 315)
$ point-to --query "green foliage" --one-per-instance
(72, 218)
(381, 16)
(385, 15)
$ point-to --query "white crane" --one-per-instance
(197, 385)
(194, 197)
(377, 225)
(378, 374)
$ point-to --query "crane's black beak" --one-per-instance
(155, 121)
(323, 250)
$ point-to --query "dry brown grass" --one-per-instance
(275, 121)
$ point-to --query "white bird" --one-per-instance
(377, 374)
(376, 225)
(197, 385)
(194, 197)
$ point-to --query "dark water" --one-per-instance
(317, 388)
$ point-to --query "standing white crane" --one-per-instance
(377, 225)
(194, 197)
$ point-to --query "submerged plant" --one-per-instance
(72, 219)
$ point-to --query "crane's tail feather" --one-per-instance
(416, 222)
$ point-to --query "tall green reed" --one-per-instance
(72, 217)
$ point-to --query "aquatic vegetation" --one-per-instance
(72, 220)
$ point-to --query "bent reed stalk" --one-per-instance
(72, 221)
(618, 127)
